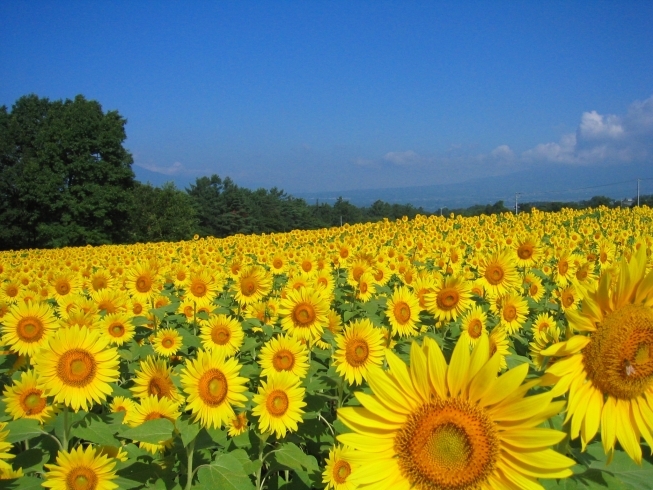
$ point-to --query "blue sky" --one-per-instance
(311, 96)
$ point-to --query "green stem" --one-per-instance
(190, 450)
(263, 438)
(65, 428)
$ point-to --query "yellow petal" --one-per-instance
(371, 403)
(526, 408)
(484, 379)
(532, 438)
(627, 431)
(571, 346)
(592, 417)
(419, 372)
(437, 367)
(480, 355)
(505, 385)
(458, 368)
(399, 371)
(387, 392)
(608, 424)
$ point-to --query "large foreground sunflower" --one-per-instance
(77, 367)
(432, 426)
(213, 387)
(608, 367)
(81, 469)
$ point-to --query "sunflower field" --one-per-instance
(494, 352)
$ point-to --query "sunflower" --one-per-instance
(568, 298)
(222, 334)
(110, 300)
(152, 408)
(5, 446)
(77, 367)
(278, 403)
(278, 264)
(237, 425)
(284, 353)
(608, 366)
(450, 298)
(10, 291)
(499, 344)
(27, 327)
(535, 288)
(545, 326)
(403, 312)
(498, 272)
(64, 284)
(81, 469)
(335, 322)
(360, 347)
(365, 289)
(340, 464)
(155, 378)
(167, 342)
(25, 400)
(514, 310)
(253, 284)
(304, 313)
(564, 270)
(213, 387)
(473, 325)
(433, 426)
(527, 252)
(101, 279)
(118, 327)
(143, 282)
(122, 404)
(201, 287)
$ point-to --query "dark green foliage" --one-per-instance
(65, 178)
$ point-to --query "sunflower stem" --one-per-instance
(65, 428)
(261, 450)
(190, 451)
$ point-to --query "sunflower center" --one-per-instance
(509, 313)
(563, 267)
(447, 299)
(307, 266)
(198, 289)
(11, 290)
(322, 281)
(341, 470)
(402, 312)
(475, 328)
(117, 330)
(277, 263)
(220, 335)
(277, 403)
(603, 257)
(62, 287)
(81, 478)
(283, 360)
(363, 287)
(30, 329)
(213, 387)
(137, 309)
(248, 286)
(533, 289)
(32, 402)
(181, 275)
(525, 251)
(143, 284)
(167, 342)
(567, 299)
(618, 359)
(582, 274)
(447, 444)
(356, 352)
(76, 367)
(494, 274)
(304, 314)
(160, 386)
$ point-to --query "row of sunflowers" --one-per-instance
(494, 352)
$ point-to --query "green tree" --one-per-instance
(162, 214)
(65, 178)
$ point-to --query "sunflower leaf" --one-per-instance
(153, 431)
(187, 429)
(226, 473)
(22, 429)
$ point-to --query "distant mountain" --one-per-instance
(553, 183)
(158, 179)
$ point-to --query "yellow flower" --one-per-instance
(451, 297)
(25, 400)
(223, 334)
(27, 327)
(81, 469)
(607, 368)
(252, 284)
(143, 282)
(403, 312)
(77, 367)
(118, 327)
(304, 313)
(514, 309)
(213, 387)
(360, 347)
(122, 404)
(433, 426)
(498, 272)
(340, 465)
(152, 408)
(155, 378)
(237, 425)
(473, 325)
(167, 342)
(279, 403)
(201, 288)
(284, 353)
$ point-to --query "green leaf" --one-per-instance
(153, 431)
(23, 429)
(94, 429)
(189, 339)
(23, 483)
(187, 429)
(292, 457)
(225, 473)
(32, 459)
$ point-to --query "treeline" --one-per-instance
(66, 180)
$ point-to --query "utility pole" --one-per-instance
(516, 208)
(638, 192)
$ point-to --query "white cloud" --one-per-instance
(173, 169)
(403, 157)
(603, 139)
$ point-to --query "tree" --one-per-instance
(162, 214)
(65, 178)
